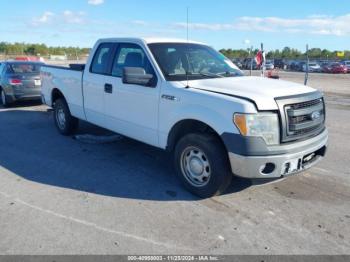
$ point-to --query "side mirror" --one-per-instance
(136, 76)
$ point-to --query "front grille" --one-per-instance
(298, 119)
(306, 104)
(302, 116)
(306, 130)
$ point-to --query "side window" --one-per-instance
(102, 59)
(130, 55)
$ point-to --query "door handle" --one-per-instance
(108, 88)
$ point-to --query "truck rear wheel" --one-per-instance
(64, 121)
(202, 165)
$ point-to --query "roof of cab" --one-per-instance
(150, 40)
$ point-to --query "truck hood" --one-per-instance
(262, 91)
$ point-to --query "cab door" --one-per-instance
(96, 79)
(132, 109)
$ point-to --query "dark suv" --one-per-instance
(19, 80)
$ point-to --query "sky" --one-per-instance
(219, 23)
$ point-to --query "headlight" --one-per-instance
(263, 125)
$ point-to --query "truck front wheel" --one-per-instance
(64, 121)
(202, 165)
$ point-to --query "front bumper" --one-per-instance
(280, 165)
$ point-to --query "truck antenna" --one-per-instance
(187, 23)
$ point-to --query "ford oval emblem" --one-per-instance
(315, 115)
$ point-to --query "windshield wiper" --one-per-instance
(227, 74)
(213, 75)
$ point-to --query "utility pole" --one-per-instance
(251, 56)
(263, 60)
(307, 65)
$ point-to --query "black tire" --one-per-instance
(70, 124)
(214, 153)
(3, 98)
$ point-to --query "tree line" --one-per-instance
(286, 53)
(40, 49)
(44, 50)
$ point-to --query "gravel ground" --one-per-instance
(328, 83)
(66, 195)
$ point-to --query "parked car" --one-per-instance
(289, 64)
(335, 68)
(296, 65)
(347, 65)
(19, 80)
(238, 63)
(313, 67)
(216, 121)
(246, 63)
(269, 65)
(323, 63)
(279, 63)
(250, 63)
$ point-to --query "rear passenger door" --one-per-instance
(95, 83)
(132, 109)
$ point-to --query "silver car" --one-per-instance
(269, 65)
(19, 80)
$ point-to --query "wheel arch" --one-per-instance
(56, 94)
(188, 126)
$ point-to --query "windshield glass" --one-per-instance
(182, 61)
(24, 68)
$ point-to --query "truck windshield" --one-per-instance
(182, 61)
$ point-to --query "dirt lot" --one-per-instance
(329, 83)
(60, 195)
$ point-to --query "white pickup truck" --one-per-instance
(187, 98)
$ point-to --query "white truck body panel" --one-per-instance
(69, 82)
(133, 111)
(196, 104)
(262, 91)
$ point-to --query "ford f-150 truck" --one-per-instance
(185, 97)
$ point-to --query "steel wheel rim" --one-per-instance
(61, 118)
(195, 166)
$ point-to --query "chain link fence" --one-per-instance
(49, 59)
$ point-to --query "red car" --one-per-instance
(335, 68)
(29, 58)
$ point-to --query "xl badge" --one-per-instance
(315, 115)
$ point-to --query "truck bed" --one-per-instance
(69, 81)
(74, 67)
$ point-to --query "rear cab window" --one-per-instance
(101, 62)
